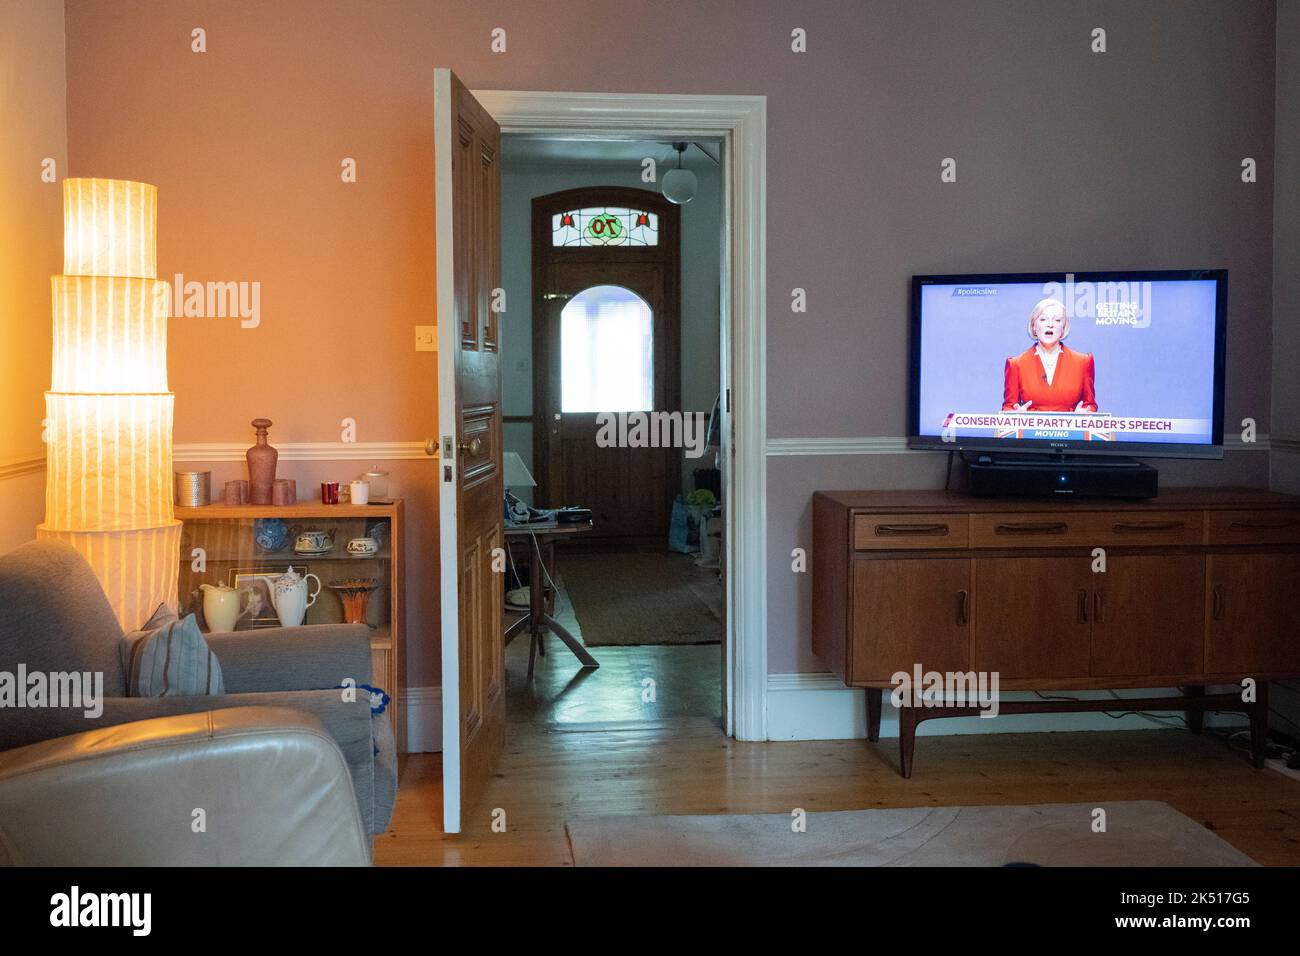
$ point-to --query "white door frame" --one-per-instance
(741, 123)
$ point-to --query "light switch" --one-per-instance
(426, 338)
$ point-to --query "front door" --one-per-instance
(467, 148)
(606, 302)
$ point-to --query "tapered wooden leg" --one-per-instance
(874, 700)
(1259, 724)
(906, 738)
(1195, 718)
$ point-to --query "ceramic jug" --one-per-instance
(220, 606)
(290, 597)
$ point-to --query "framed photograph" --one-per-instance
(255, 586)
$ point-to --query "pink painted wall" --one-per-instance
(1066, 159)
(33, 128)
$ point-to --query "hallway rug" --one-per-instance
(1138, 833)
(655, 598)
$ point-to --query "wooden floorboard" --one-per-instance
(548, 775)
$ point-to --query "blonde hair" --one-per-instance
(1042, 306)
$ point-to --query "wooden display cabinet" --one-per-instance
(226, 535)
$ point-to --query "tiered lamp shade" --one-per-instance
(108, 483)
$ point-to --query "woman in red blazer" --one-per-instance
(1048, 377)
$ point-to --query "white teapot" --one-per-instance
(290, 598)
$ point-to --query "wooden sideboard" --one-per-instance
(1197, 590)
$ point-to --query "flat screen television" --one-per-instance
(1120, 363)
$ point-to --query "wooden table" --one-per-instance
(543, 536)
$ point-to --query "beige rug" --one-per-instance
(1138, 833)
(657, 598)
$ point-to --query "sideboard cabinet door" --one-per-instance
(1149, 616)
(1032, 617)
(1254, 613)
(908, 612)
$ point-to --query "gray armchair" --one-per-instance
(241, 786)
(54, 618)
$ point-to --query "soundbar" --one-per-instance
(1035, 477)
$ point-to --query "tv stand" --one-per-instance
(1197, 591)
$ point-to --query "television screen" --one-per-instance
(1117, 362)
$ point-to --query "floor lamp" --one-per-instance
(108, 473)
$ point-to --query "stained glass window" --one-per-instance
(605, 226)
(606, 352)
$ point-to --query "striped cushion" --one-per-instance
(168, 657)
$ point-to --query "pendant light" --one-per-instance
(679, 184)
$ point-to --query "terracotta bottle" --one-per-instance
(261, 465)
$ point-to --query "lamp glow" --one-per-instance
(108, 481)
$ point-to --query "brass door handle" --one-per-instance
(431, 447)
(473, 446)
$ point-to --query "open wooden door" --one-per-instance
(467, 148)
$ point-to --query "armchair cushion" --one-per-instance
(168, 657)
(270, 782)
(55, 616)
(310, 657)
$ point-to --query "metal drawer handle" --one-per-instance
(1261, 525)
(1055, 527)
(886, 530)
(1138, 527)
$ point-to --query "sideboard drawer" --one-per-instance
(1089, 529)
(1044, 530)
(1255, 527)
(890, 532)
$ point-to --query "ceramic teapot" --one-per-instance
(290, 598)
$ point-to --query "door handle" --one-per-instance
(1083, 605)
(431, 447)
(963, 607)
(1220, 602)
(473, 446)
(1052, 527)
(1261, 525)
(1099, 606)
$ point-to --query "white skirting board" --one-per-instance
(423, 707)
(819, 707)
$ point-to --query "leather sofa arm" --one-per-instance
(244, 786)
(308, 657)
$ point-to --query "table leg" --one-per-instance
(874, 702)
(1259, 724)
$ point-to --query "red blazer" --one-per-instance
(1026, 380)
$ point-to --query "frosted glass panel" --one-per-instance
(606, 352)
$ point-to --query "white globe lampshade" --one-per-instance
(679, 186)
